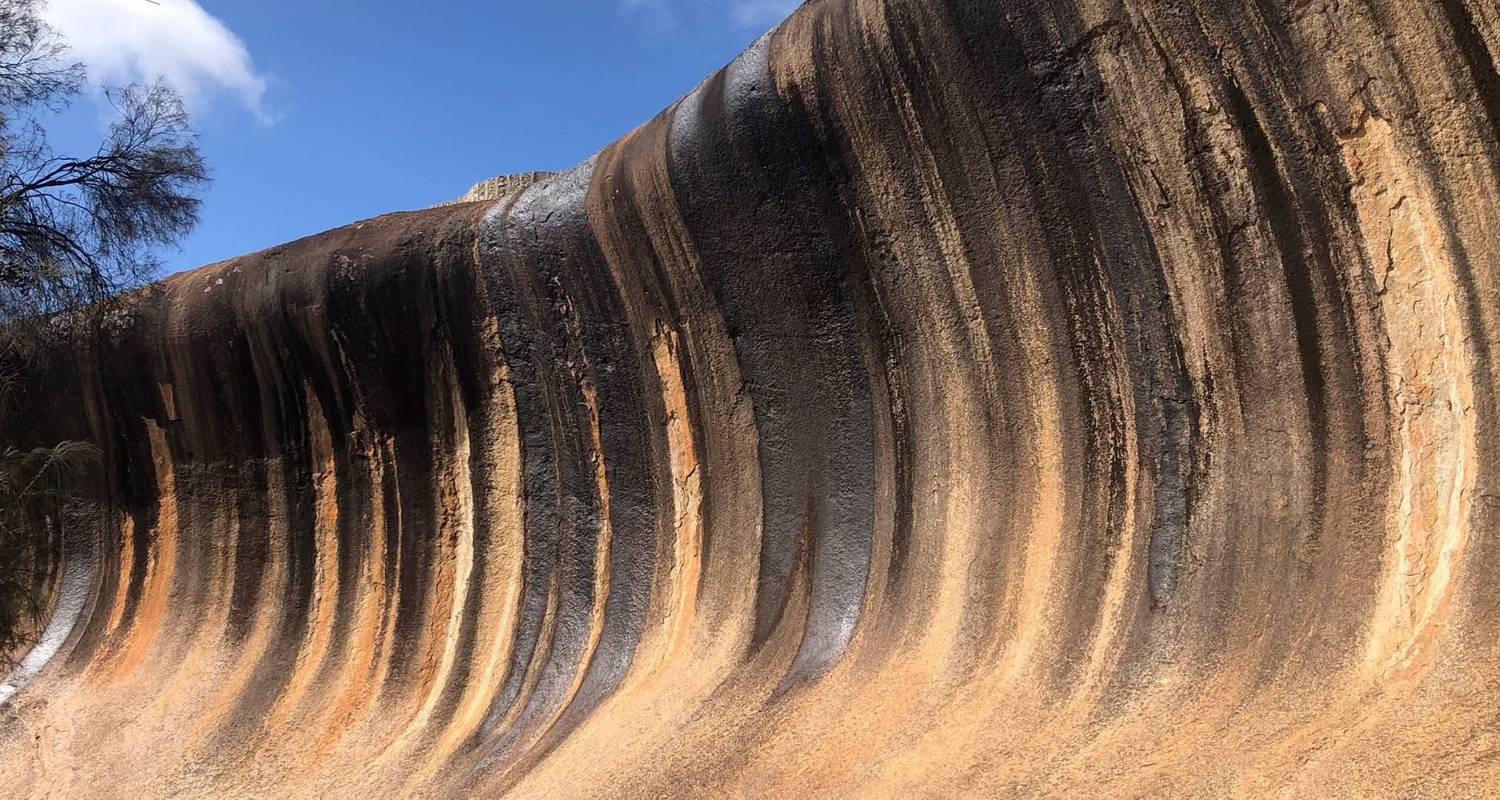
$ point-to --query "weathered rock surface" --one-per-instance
(498, 187)
(947, 398)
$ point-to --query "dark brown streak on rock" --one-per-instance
(1477, 57)
(1281, 209)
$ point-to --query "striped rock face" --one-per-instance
(946, 398)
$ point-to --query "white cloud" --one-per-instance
(176, 41)
(752, 13)
(656, 15)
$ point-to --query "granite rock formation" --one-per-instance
(498, 187)
(947, 398)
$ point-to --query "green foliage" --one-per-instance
(33, 488)
(75, 231)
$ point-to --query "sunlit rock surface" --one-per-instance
(951, 399)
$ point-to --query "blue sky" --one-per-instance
(316, 113)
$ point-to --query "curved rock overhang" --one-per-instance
(944, 398)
